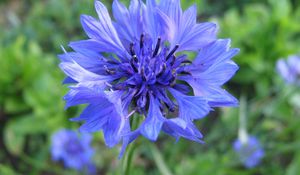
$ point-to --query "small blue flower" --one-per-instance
(250, 152)
(138, 64)
(73, 149)
(289, 69)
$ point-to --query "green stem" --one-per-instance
(242, 133)
(160, 163)
(128, 157)
(127, 162)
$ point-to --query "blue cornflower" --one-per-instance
(138, 64)
(289, 69)
(249, 151)
(73, 149)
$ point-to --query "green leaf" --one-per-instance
(16, 131)
(295, 100)
(6, 170)
(294, 168)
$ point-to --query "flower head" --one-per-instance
(249, 152)
(73, 149)
(289, 69)
(137, 64)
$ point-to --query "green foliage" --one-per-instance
(51, 23)
(264, 33)
(30, 98)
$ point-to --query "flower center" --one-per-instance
(152, 68)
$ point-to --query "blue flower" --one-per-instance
(250, 153)
(73, 149)
(138, 64)
(289, 69)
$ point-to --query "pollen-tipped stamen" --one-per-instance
(108, 71)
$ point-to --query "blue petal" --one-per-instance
(177, 128)
(102, 113)
(222, 98)
(136, 17)
(127, 139)
(214, 52)
(213, 64)
(129, 23)
(120, 104)
(93, 45)
(216, 96)
(122, 17)
(84, 93)
(69, 80)
(79, 74)
(150, 19)
(188, 34)
(103, 35)
(106, 29)
(95, 115)
(114, 129)
(211, 69)
(90, 61)
(184, 24)
(197, 37)
(190, 107)
(157, 23)
(92, 27)
(93, 111)
(90, 45)
(216, 75)
(189, 19)
(173, 9)
(166, 26)
(106, 26)
(151, 127)
(93, 63)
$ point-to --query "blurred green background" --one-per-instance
(32, 109)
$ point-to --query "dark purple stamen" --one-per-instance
(111, 62)
(187, 61)
(132, 50)
(173, 81)
(170, 107)
(172, 51)
(133, 59)
(142, 41)
(185, 73)
(157, 47)
(173, 60)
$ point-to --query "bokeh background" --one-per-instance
(31, 91)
